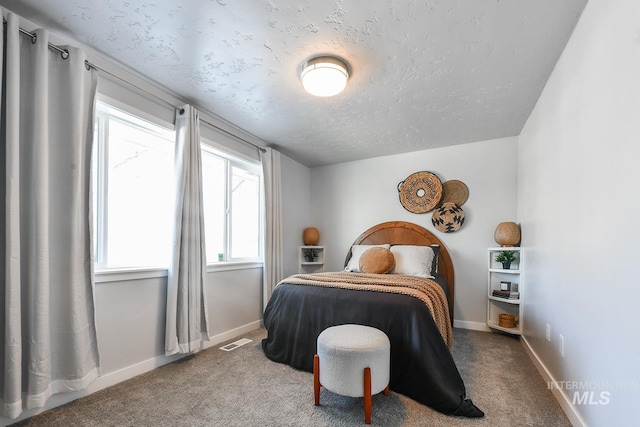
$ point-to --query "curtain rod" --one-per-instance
(89, 65)
(64, 53)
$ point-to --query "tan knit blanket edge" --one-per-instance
(426, 290)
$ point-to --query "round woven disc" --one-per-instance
(455, 191)
(420, 192)
(448, 218)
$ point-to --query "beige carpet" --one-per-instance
(244, 388)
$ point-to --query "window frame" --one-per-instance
(104, 274)
(211, 148)
(109, 109)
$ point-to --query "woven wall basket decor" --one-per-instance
(420, 192)
(448, 218)
(455, 191)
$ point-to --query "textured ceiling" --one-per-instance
(425, 74)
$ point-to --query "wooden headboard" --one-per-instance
(407, 233)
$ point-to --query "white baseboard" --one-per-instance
(234, 333)
(474, 326)
(113, 378)
(560, 395)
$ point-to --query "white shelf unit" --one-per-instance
(495, 275)
(315, 266)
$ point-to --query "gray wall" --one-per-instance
(295, 210)
(348, 198)
(578, 203)
(130, 315)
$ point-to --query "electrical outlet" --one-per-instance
(561, 345)
(548, 333)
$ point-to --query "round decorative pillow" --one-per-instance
(377, 261)
(448, 218)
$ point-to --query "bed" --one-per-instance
(422, 367)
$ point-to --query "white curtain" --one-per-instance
(47, 321)
(187, 322)
(272, 272)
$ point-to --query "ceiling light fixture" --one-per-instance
(324, 76)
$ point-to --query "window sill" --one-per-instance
(228, 266)
(127, 274)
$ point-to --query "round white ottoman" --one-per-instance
(352, 360)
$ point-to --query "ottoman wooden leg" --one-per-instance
(316, 379)
(386, 390)
(367, 395)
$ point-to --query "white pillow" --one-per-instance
(413, 260)
(356, 253)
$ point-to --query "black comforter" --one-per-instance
(421, 365)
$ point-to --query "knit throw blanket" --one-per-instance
(426, 290)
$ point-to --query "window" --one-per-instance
(133, 181)
(231, 191)
(133, 191)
